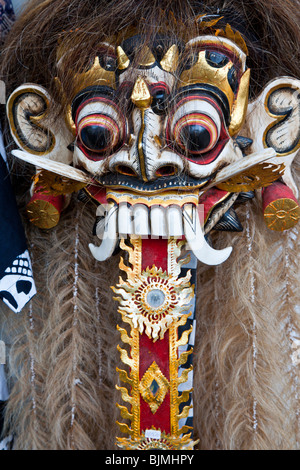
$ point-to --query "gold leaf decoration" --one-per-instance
(171, 296)
(228, 32)
(282, 214)
(202, 24)
(43, 214)
(56, 185)
(154, 387)
(258, 176)
(234, 36)
(165, 442)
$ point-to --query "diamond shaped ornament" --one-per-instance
(154, 387)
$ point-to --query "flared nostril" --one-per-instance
(125, 170)
(167, 170)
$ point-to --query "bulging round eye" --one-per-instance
(195, 127)
(99, 133)
(197, 133)
(101, 127)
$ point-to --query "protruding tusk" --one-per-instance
(174, 219)
(196, 240)
(109, 241)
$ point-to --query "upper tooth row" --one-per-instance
(155, 221)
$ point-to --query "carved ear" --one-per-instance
(30, 125)
(273, 120)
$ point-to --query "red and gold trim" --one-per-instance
(44, 210)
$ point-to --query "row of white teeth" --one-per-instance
(140, 221)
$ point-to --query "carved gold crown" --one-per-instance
(92, 75)
(202, 72)
(169, 62)
(96, 75)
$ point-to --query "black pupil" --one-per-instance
(95, 137)
(195, 137)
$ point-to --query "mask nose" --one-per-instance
(141, 96)
(145, 159)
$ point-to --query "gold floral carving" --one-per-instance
(256, 177)
(234, 36)
(165, 442)
(282, 214)
(56, 185)
(173, 296)
(175, 381)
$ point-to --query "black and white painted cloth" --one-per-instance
(191, 321)
(17, 286)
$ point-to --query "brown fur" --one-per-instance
(63, 346)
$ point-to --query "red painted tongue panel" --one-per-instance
(158, 352)
(155, 252)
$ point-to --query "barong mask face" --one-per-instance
(163, 123)
(162, 136)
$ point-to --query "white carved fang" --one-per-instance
(174, 221)
(196, 240)
(109, 241)
(158, 221)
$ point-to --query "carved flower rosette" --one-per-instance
(154, 300)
